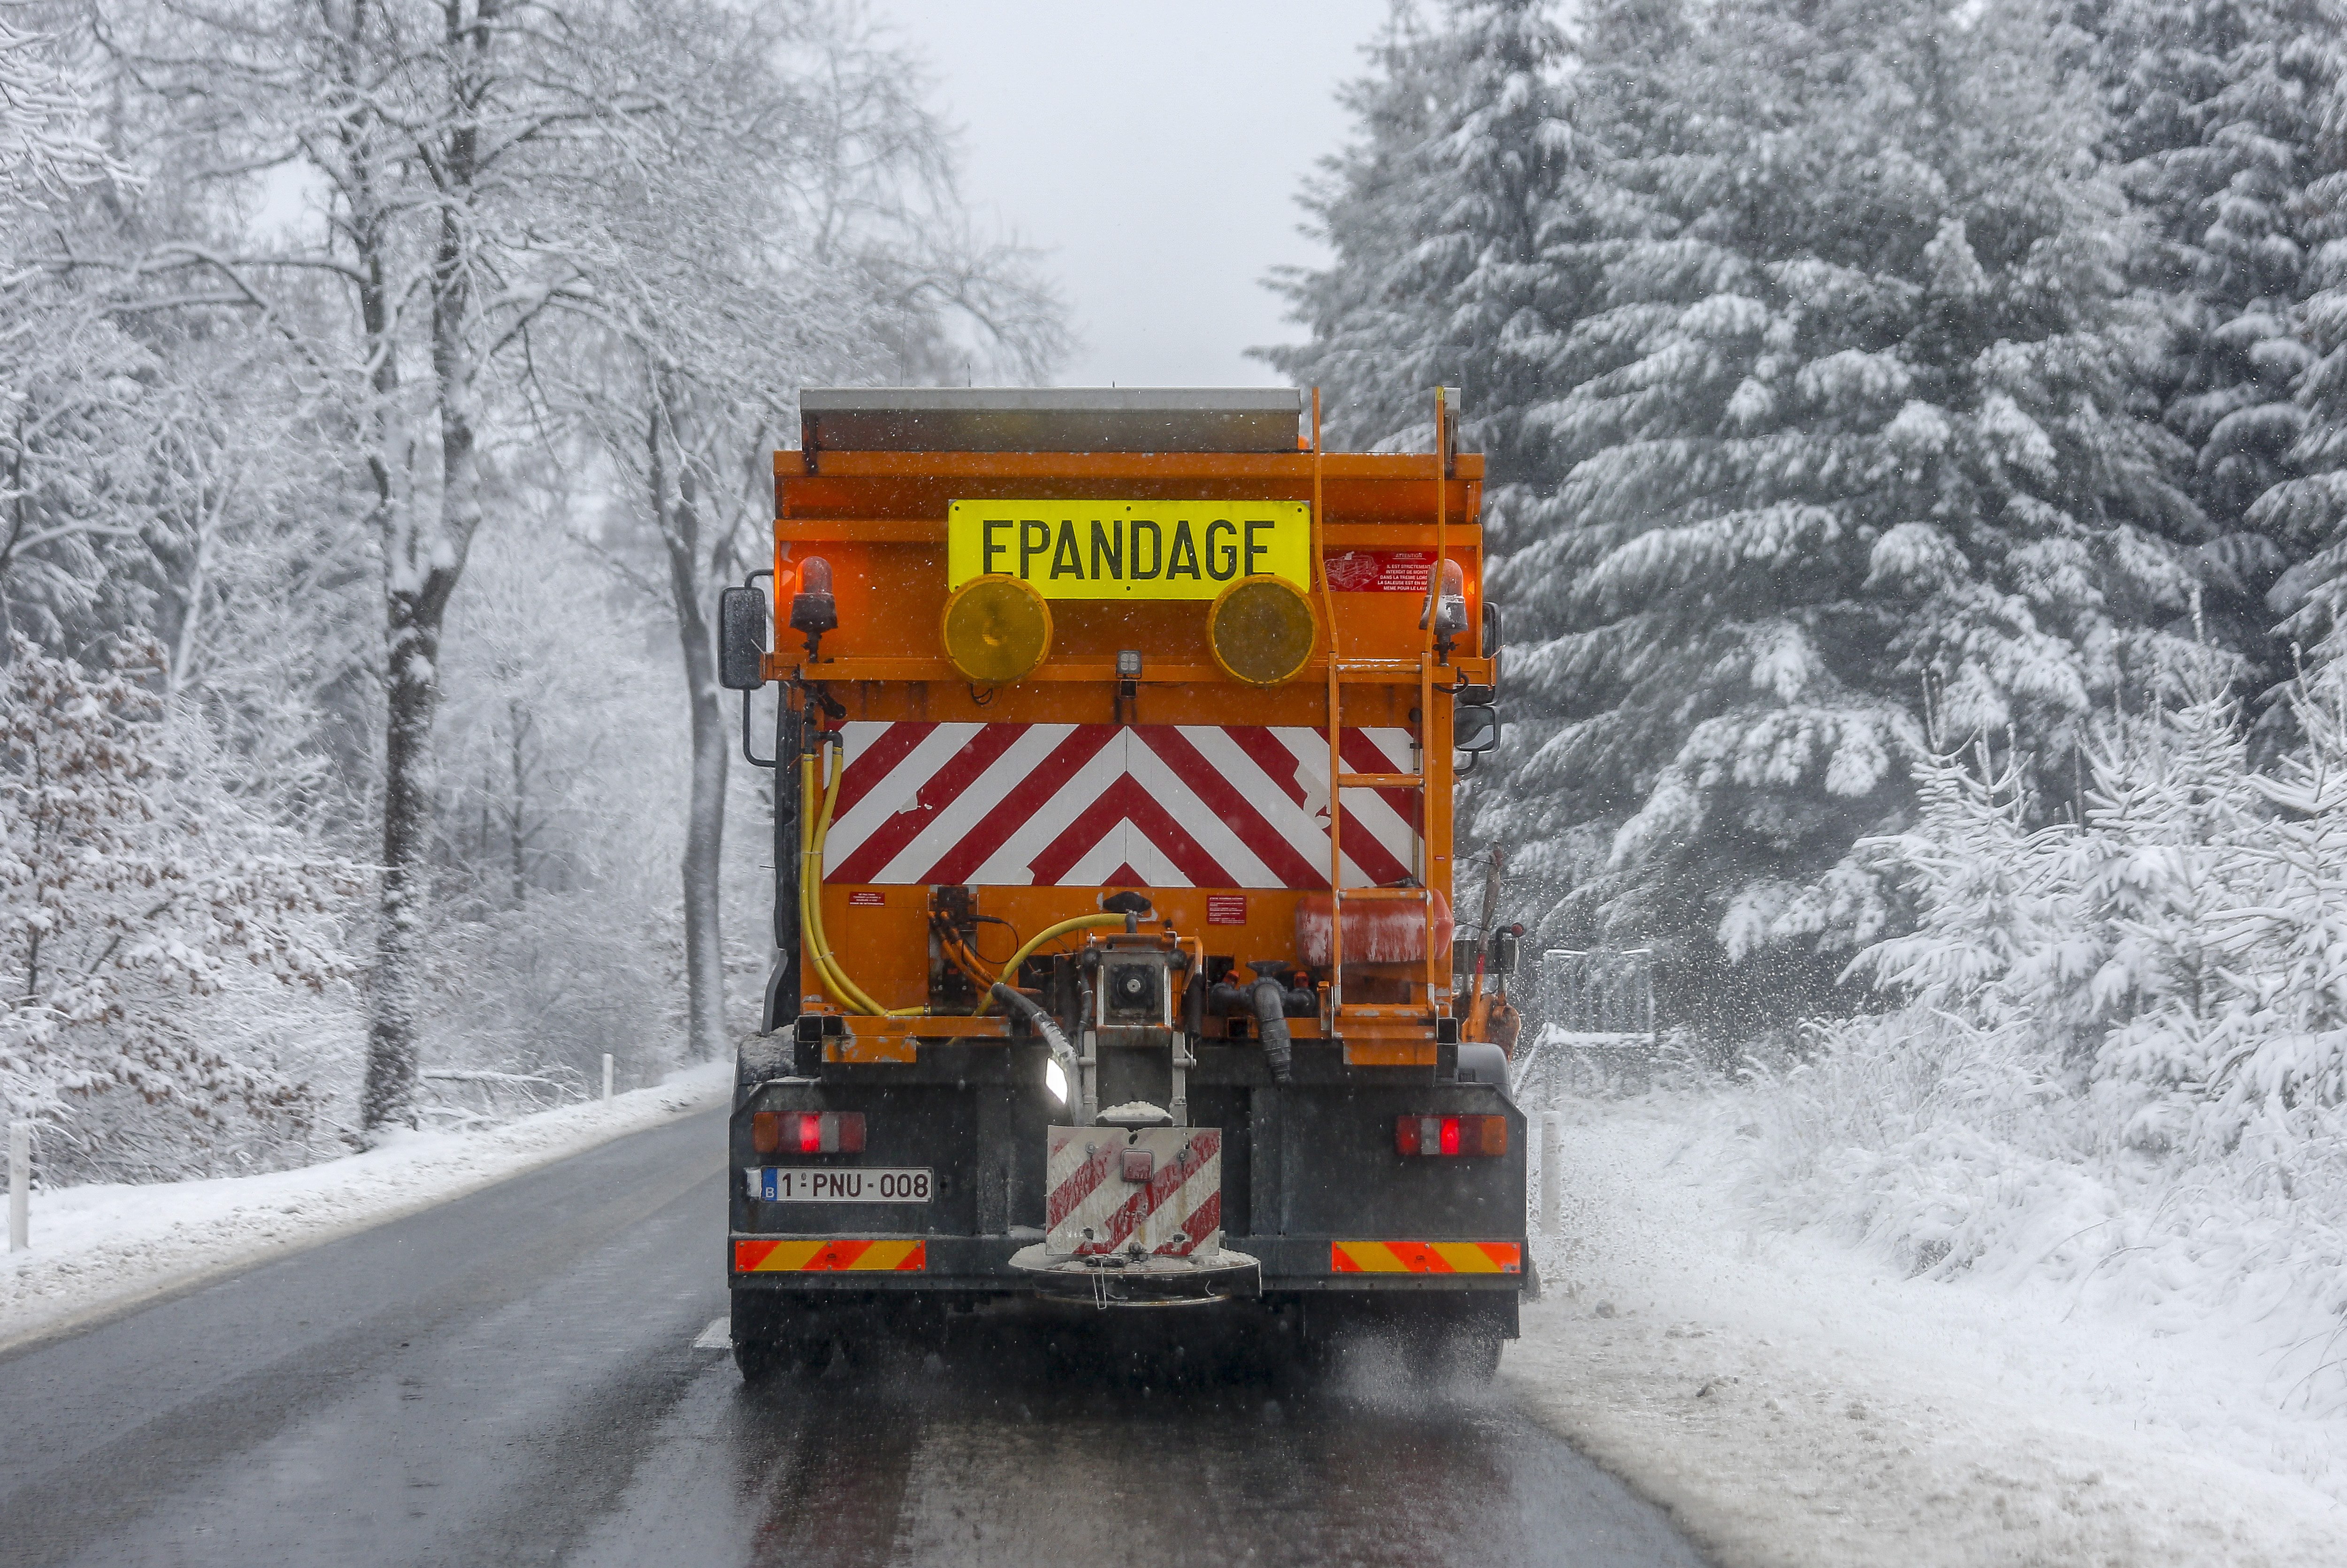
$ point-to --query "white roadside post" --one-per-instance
(1551, 1221)
(20, 1185)
(607, 1075)
(1549, 1218)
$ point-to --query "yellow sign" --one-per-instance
(1129, 550)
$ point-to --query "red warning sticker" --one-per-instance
(1380, 571)
(867, 898)
(1226, 909)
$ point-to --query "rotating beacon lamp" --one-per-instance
(814, 610)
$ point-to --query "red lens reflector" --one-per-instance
(807, 1131)
(1451, 1135)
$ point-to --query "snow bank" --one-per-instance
(99, 1249)
(1797, 1400)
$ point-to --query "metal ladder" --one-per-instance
(1382, 1019)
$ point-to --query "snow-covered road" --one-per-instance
(526, 1375)
(1794, 1403)
(100, 1250)
(1791, 1400)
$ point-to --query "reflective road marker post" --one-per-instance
(607, 1075)
(20, 1185)
(1549, 1205)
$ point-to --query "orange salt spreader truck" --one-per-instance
(1084, 993)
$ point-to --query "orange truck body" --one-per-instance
(1381, 1040)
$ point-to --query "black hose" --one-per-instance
(1075, 1026)
(1041, 1022)
(1271, 1021)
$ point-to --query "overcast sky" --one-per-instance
(1153, 150)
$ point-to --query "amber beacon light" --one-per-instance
(1262, 629)
(997, 629)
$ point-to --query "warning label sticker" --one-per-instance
(866, 897)
(1225, 909)
(1380, 571)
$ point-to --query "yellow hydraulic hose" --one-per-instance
(850, 994)
(1081, 922)
(845, 990)
(810, 924)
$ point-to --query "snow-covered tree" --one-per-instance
(791, 222)
(556, 934)
(134, 886)
(1862, 448)
(76, 442)
(2216, 123)
(1452, 219)
(380, 278)
(49, 144)
(2307, 512)
(440, 141)
(2175, 958)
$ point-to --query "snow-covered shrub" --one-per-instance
(163, 945)
(2183, 951)
(2122, 1056)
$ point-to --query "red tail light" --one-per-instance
(806, 1132)
(1439, 1136)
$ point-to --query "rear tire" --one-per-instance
(759, 1361)
(764, 1348)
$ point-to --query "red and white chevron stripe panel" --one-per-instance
(1111, 1187)
(1091, 805)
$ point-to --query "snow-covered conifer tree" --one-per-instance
(2216, 119)
(1444, 215)
(1863, 446)
(2307, 512)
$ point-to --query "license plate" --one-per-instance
(858, 1185)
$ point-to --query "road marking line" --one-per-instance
(718, 1336)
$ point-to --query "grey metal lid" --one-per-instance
(1050, 419)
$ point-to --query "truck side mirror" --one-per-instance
(742, 638)
(1474, 727)
(1505, 944)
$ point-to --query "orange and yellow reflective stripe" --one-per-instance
(835, 1254)
(1426, 1257)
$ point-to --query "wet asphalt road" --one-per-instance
(513, 1378)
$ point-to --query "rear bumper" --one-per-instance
(950, 1264)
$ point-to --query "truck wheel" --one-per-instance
(759, 1360)
(809, 1355)
(759, 1349)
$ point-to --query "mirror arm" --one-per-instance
(748, 755)
(753, 758)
